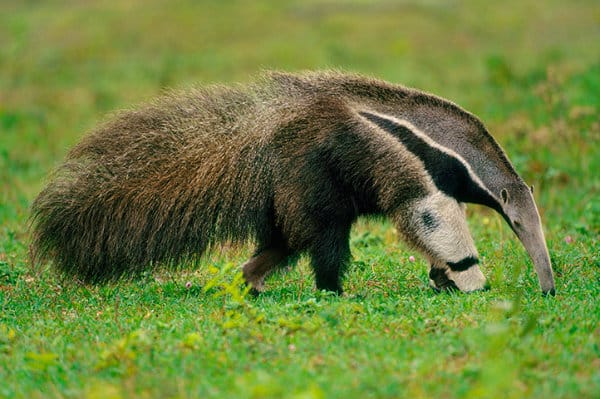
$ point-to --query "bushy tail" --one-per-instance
(156, 185)
(96, 229)
(98, 226)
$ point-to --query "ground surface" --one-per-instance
(529, 69)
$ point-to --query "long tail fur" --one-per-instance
(128, 195)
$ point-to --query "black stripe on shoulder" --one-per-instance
(448, 173)
(463, 264)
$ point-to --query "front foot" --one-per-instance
(469, 280)
(439, 281)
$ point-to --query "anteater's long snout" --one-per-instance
(535, 244)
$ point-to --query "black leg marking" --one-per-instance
(463, 264)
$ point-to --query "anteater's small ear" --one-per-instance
(504, 194)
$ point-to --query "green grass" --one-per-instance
(529, 69)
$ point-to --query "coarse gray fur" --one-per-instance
(287, 163)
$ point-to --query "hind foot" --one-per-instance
(260, 266)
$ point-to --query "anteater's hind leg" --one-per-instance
(437, 226)
(330, 256)
(324, 234)
(262, 264)
(271, 254)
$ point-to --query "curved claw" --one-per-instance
(439, 281)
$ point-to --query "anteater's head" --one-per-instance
(520, 211)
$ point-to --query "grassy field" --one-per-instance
(529, 69)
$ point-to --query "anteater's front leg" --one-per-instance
(437, 226)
